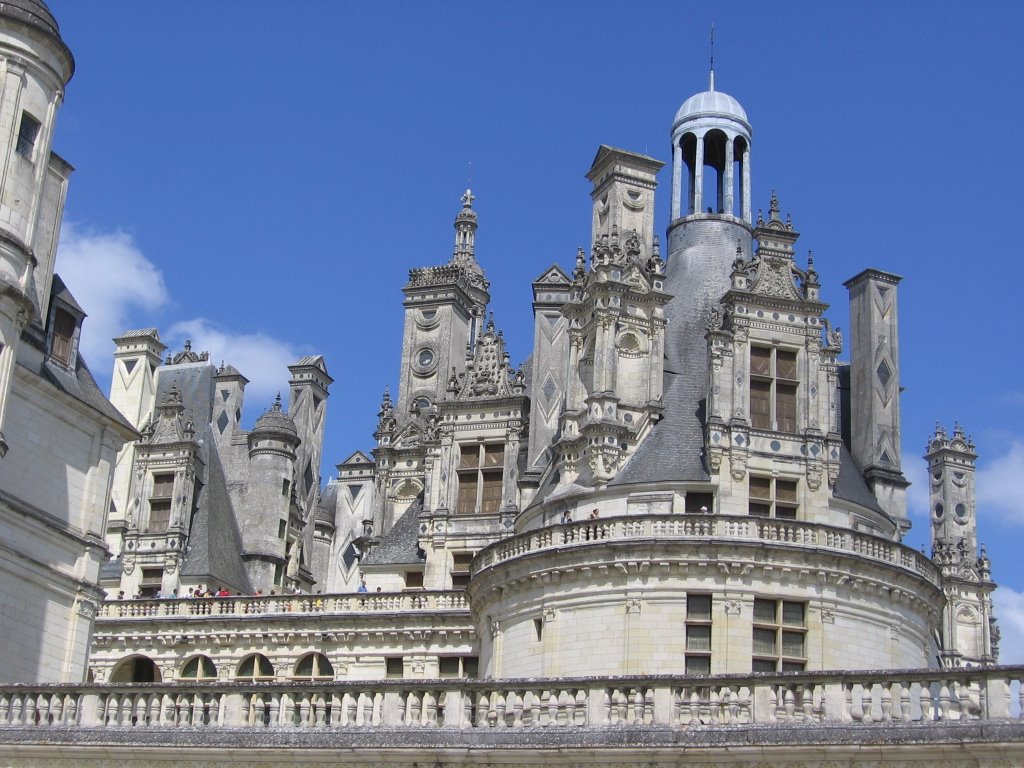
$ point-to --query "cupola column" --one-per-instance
(697, 197)
(677, 178)
(745, 183)
(728, 176)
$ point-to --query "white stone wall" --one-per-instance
(619, 607)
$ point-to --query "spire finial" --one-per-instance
(711, 84)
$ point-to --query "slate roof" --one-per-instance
(214, 542)
(58, 290)
(674, 448)
(851, 484)
(401, 544)
(328, 503)
(194, 382)
(81, 385)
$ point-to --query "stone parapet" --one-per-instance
(805, 700)
(708, 527)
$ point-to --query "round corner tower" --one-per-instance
(35, 65)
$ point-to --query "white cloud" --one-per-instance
(109, 277)
(262, 359)
(999, 485)
(1009, 609)
(119, 288)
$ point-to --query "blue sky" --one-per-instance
(261, 176)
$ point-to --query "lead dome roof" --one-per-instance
(36, 15)
(711, 104)
(31, 12)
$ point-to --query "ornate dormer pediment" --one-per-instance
(409, 436)
(775, 278)
(489, 373)
(633, 276)
(187, 356)
(169, 424)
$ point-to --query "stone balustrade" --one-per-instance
(263, 605)
(703, 527)
(805, 699)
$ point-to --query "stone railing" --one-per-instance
(703, 527)
(263, 605)
(807, 699)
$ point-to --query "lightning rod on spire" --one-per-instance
(712, 69)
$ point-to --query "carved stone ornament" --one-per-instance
(732, 607)
(633, 605)
(828, 616)
(814, 477)
(495, 628)
(775, 278)
(713, 318)
(86, 608)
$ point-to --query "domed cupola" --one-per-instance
(711, 146)
(35, 15)
(274, 427)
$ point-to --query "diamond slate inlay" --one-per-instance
(884, 373)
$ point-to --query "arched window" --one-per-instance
(135, 669)
(314, 666)
(255, 667)
(199, 668)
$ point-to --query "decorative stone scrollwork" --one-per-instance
(633, 605)
(732, 607)
(495, 628)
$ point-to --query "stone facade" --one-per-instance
(682, 478)
(58, 434)
(672, 535)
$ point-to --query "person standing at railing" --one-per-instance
(362, 585)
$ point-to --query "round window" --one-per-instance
(425, 357)
(939, 510)
(960, 511)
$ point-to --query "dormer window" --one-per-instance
(773, 385)
(27, 134)
(160, 502)
(62, 336)
(480, 476)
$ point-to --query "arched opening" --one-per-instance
(314, 666)
(714, 171)
(689, 147)
(255, 666)
(198, 668)
(135, 669)
(739, 155)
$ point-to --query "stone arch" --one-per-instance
(313, 666)
(136, 668)
(198, 667)
(255, 666)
